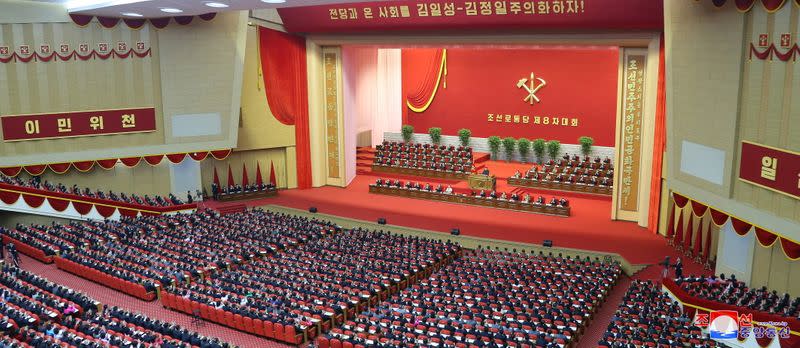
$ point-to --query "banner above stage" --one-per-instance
(531, 92)
(472, 15)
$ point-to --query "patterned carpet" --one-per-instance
(152, 309)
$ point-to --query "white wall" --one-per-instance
(735, 253)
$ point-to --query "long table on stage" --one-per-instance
(247, 195)
(469, 200)
(428, 173)
(560, 186)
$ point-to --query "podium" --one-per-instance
(481, 182)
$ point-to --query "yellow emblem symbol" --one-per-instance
(531, 87)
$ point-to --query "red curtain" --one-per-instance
(740, 226)
(198, 156)
(220, 154)
(11, 171)
(59, 168)
(707, 244)
(82, 208)
(33, 201)
(128, 212)
(107, 163)
(259, 181)
(659, 141)
(153, 160)
(426, 86)
(176, 157)
(671, 222)
(283, 58)
(718, 217)
(58, 204)
(130, 161)
(680, 201)
(679, 229)
(698, 238)
(36, 170)
(104, 210)
(245, 179)
(765, 238)
(687, 236)
(791, 249)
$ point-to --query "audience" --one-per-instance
(647, 316)
(734, 292)
(36, 183)
(488, 299)
(586, 171)
(441, 158)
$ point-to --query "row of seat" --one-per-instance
(257, 327)
(130, 288)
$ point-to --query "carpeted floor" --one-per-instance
(589, 227)
(154, 309)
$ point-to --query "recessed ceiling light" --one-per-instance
(171, 10)
(216, 4)
(274, 1)
(131, 14)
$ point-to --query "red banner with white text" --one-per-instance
(773, 169)
(78, 124)
(551, 93)
(475, 15)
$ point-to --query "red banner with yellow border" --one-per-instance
(770, 168)
(78, 124)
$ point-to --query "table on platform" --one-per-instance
(470, 200)
(247, 195)
(561, 186)
(428, 173)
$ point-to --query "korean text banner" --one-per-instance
(475, 15)
(78, 124)
(774, 169)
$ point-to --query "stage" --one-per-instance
(588, 228)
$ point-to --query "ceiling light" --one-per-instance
(216, 4)
(132, 14)
(273, 1)
(171, 10)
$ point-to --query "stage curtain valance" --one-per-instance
(136, 23)
(770, 6)
(773, 51)
(109, 163)
(421, 97)
(283, 60)
(36, 56)
(680, 232)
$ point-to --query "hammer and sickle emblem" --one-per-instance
(531, 88)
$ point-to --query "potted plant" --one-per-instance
(586, 145)
(436, 135)
(524, 148)
(464, 135)
(553, 148)
(408, 132)
(509, 144)
(494, 145)
(539, 146)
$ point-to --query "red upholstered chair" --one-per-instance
(229, 319)
(278, 332)
(347, 345)
(237, 322)
(195, 308)
(248, 324)
(258, 327)
(291, 336)
(335, 343)
(204, 311)
(269, 329)
(323, 342)
(220, 316)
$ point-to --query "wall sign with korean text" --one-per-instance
(633, 93)
(77, 124)
(770, 168)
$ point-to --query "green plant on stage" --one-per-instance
(408, 132)
(586, 145)
(464, 135)
(524, 148)
(539, 146)
(509, 144)
(436, 135)
(494, 145)
(553, 148)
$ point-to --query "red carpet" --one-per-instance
(588, 228)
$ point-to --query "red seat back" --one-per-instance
(279, 332)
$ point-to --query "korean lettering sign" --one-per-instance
(77, 124)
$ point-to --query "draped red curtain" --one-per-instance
(747, 5)
(272, 179)
(765, 238)
(679, 230)
(697, 247)
(659, 142)
(791, 249)
(283, 59)
(687, 237)
(671, 222)
(216, 178)
(230, 177)
(245, 179)
(259, 180)
(427, 83)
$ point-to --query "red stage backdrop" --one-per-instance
(551, 93)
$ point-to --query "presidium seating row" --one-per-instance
(487, 298)
(296, 294)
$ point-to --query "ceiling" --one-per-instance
(153, 8)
